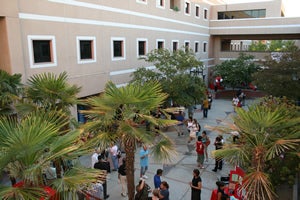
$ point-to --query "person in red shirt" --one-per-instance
(200, 152)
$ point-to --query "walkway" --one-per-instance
(179, 173)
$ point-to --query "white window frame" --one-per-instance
(197, 6)
(177, 44)
(161, 6)
(142, 2)
(189, 13)
(137, 47)
(85, 61)
(51, 38)
(196, 42)
(204, 42)
(205, 9)
(112, 48)
(160, 40)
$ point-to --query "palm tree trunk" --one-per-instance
(130, 151)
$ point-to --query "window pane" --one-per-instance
(86, 49)
(142, 47)
(175, 46)
(204, 47)
(118, 48)
(197, 11)
(41, 51)
(160, 45)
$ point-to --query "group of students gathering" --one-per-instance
(200, 141)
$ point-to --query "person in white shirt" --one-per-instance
(114, 156)
(94, 157)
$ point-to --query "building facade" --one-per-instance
(97, 41)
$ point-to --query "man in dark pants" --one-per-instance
(102, 164)
(219, 160)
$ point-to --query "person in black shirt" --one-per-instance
(122, 177)
(218, 160)
(103, 165)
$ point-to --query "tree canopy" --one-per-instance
(281, 76)
(174, 71)
(236, 73)
(273, 45)
(268, 142)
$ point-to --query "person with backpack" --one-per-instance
(200, 152)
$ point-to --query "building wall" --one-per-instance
(66, 20)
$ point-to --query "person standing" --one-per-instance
(102, 164)
(164, 191)
(142, 190)
(156, 179)
(205, 142)
(218, 160)
(94, 157)
(196, 185)
(180, 119)
(210, 100)
(195, 128)
(205, 105)
(114, 156)
(122, 177)
(235, 102)
(144, 161)
(200, 152)
(221, 195)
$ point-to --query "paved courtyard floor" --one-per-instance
(179, 173)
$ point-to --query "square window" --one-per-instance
(118, 48)
(187, 8)
(175, 45)
(205, 13)
(197, 14)
(141, 47)
(196, 47)
(160, 44)
(86, 49)
(42, 51)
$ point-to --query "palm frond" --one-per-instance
(164, 151)
(258, 186)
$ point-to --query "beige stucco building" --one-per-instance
(96, 41)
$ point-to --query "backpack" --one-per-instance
(199, 127)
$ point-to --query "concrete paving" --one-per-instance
(179, 173)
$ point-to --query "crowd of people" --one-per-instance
(110, 158)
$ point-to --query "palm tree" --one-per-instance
(51, 92)
(10, 88)
(117, 115)
(27, 146)
(266, 133)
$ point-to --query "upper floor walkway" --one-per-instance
(257, 28)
